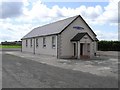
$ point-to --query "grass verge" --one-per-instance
(10, 46)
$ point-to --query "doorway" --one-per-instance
(81, 49)
(88, 49)
(74, 49)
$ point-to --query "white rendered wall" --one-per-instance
(66, 45)
(27, 48)
(48, 50)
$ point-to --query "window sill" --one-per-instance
(44, 46)
(53, 47)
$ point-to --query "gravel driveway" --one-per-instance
(101, 66)
(19, 72)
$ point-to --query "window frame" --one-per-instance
(53, 41)
(36, 42)
(44, 42)
(26, 42)
(31, 42)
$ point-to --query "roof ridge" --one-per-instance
(56, 21)
(69, 20)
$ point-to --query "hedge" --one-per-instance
(109, 45)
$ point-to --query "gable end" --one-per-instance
(83, 21)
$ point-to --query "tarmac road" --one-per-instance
(18, 72)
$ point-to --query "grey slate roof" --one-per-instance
(52, 28)
(79, 36)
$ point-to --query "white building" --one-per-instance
(68, 38)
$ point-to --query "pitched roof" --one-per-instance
(79, 36)
(53, 28)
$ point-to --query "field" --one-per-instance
(10, 46)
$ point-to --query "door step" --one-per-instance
(85, 57)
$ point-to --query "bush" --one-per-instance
(109, 45)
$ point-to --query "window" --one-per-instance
(26, 43)
(36, 42)
(53, 41)
(44, 42)
(31, 42)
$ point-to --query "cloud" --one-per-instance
(42, 13)
(11, 32)
(110, 14)
(95, 15)
(11, 9)
(35, 13)
(102, 36)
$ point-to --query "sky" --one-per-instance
(18, 17)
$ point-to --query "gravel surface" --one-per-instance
(102, 66)
(24, 73)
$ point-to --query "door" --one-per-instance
(74, 49)
(81, 49)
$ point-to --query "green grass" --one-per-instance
(10, 46)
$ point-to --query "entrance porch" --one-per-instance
(81, 50)
(82, 44)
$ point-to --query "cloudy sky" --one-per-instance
(18, 17)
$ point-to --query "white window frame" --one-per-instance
(26, 42)
(53, 41)
(44, 42)
(36, 42)
(31, 42)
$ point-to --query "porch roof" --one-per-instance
(79, 36)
